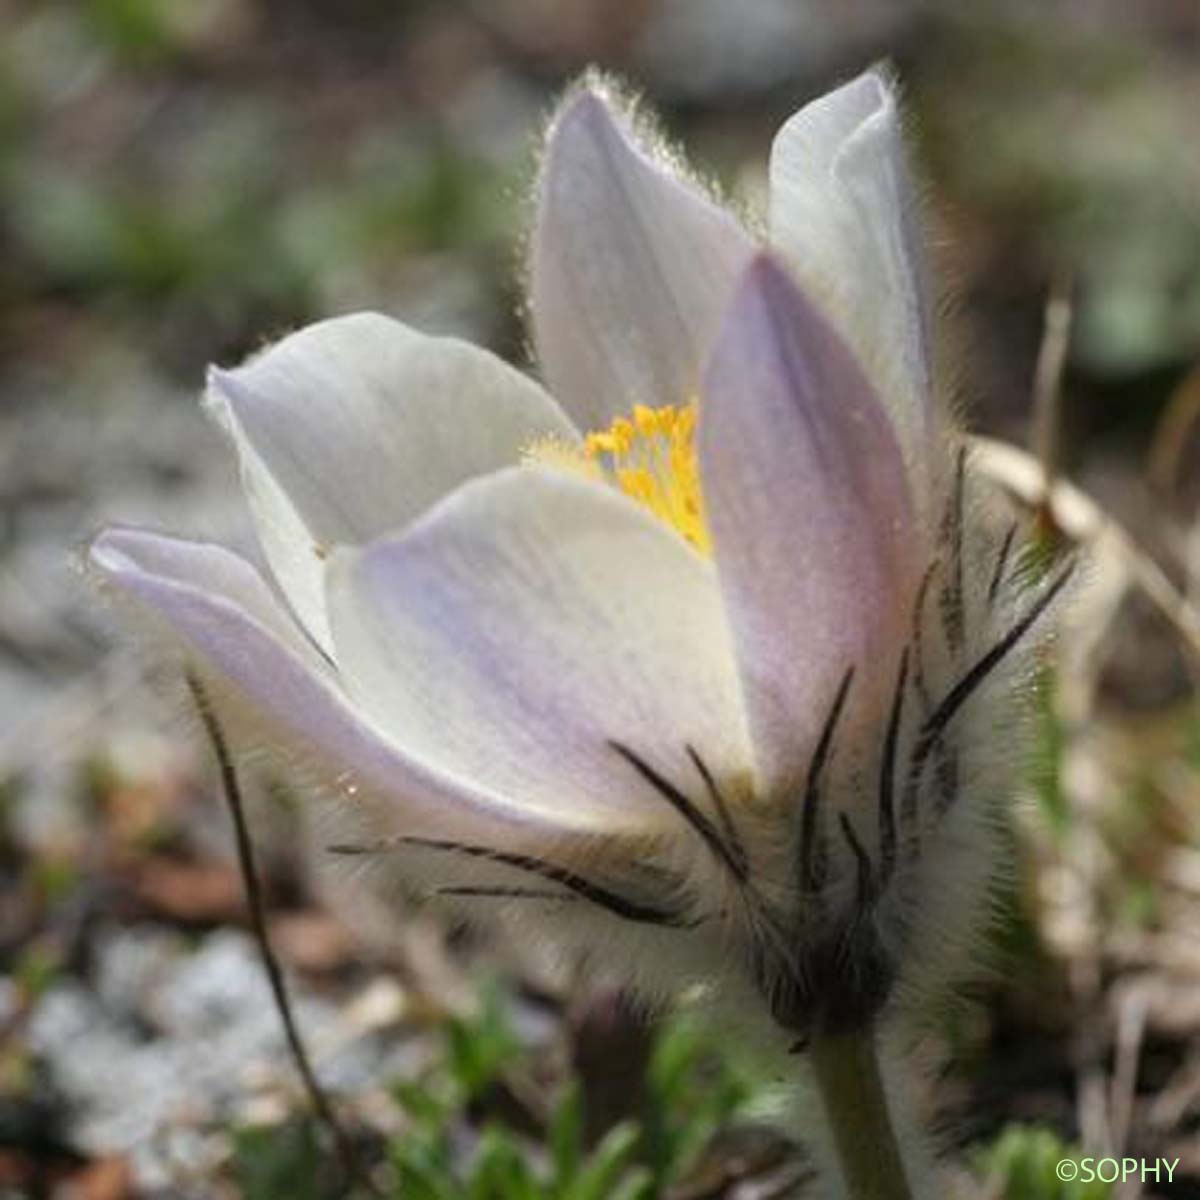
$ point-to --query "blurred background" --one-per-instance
(182, 180)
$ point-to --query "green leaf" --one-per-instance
(637, 1184)
(600, 1174)
(422, 1105)
(1024, 1161)
(279, 1160)
(480, 1049)
(500, 1171)
(566, 1136)
(423, 1171)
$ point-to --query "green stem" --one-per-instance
(846, 1068)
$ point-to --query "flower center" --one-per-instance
(651, 457)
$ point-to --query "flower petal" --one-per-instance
(353, 426)
(632, 267)
(843, 217)
(810, 514)
(224, 621)
(406, 826)
(528, 626)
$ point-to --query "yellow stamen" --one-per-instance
(651, 458)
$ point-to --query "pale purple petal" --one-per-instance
(133, 557)
(354, 426)
(843, 216)
(529, 622)
(810, 514)
(632, 268)
(224, 624)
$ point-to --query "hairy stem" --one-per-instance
(846, 1069)
(258, 921)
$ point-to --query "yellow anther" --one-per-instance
(600, 443)
(623, 434)
(645, 420)
(651, 458)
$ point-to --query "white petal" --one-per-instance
(354, 426)
(810, 514)
(227, 627)
(632, 268)
(408, 826)
(136, 559)
(843, 217)
(527, 624)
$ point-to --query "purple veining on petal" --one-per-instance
(528, 622)
(810, 511)
(234, 634)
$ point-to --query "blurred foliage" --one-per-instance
(155, 179)
(273, 1162)
(1089, 152)
(196, 153)
(457, 1146)
(1020, 1165)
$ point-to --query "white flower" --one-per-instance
(700, 665)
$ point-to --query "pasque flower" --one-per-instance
(697, 655)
